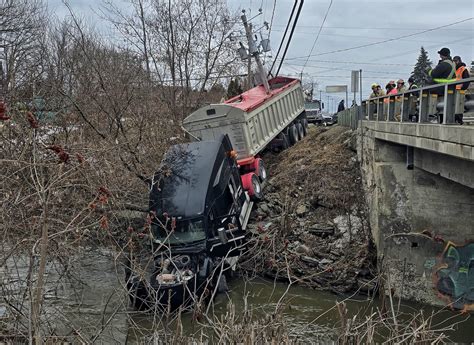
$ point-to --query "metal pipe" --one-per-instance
(468, 105)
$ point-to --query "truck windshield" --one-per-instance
(186, 231)
(311, 105)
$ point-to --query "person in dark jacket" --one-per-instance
(461, 73)
(445, 71)
(411, 84)
(341, 106)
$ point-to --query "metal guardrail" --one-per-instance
(430, 104)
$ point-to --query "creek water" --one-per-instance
(93, 303)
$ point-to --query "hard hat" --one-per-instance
(374, 85)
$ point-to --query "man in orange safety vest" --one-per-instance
(461, 73)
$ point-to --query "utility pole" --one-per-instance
(249, 74)
(253, 51)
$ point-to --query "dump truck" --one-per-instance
(203, 193)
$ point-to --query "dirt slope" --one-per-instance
(312, 225)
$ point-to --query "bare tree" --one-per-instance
(184, 45)
(22, 24)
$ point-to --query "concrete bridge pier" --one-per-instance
(419, 182)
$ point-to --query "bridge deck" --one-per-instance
(451, 140)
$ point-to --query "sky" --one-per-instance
(348, 24)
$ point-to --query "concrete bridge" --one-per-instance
(418, 170)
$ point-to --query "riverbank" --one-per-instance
(312, 227)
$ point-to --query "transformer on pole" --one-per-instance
(253, 51)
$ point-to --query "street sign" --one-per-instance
(355, 81)
(336, 88)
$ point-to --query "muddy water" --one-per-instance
(95, 305)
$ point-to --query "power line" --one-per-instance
(284, 36)
(371, 37)
(325, 69)
(385, 41)
(363, 63)
(271, 20)
(317, 36)
(427, 47)
(365, 28)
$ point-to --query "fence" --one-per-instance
(430, 104)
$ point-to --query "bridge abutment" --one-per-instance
(421, 207)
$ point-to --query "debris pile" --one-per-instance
(312, 226)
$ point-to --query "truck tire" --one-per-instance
(257, 188)
(300, 129)
(284, 143)
(251, 184)
(260, 170)
(293, 134)
(304, 122)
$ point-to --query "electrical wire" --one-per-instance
(269, 29)
(291, 35)
(385, 41)
(317, 36)
(368, 37)
(364, 28)
(284, 35)
(363, 63)
(273, 15)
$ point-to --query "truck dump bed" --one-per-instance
(251, 119)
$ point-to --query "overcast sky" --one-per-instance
(351, 23)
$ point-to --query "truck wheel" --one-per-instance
(293, 134)
(284, 143)
(251, 184)
(304, 122)
(261, 171)
(300, 129)
(257, 188)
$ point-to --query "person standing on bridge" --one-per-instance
(445, 71)
(377, 91)
(391, 88)
(411, 84)
(401, 86)
(461, 73)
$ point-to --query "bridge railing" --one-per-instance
(430, 104)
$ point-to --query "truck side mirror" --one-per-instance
(323, 105)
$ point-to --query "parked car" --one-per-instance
(328, 119)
